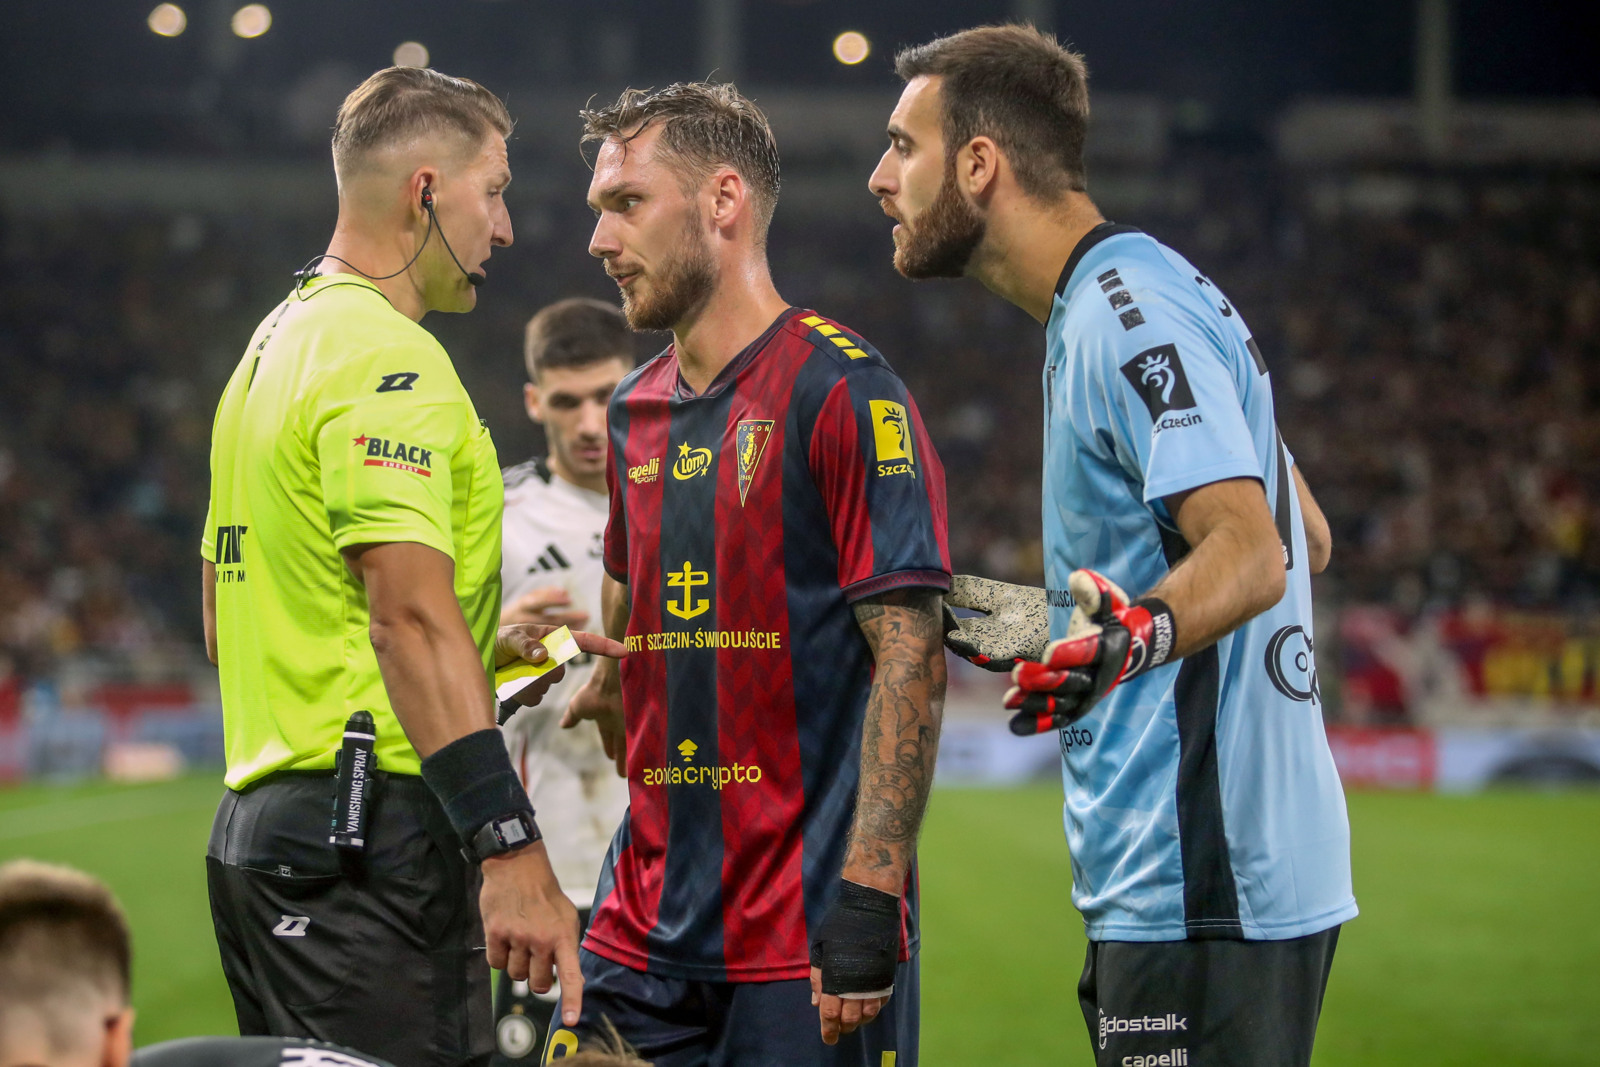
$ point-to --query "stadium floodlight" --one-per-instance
(252, 20)
(851, 48)
(411, 54)
(167, 20)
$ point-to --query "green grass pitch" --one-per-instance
(1477, 943)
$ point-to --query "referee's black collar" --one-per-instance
(1088, 241)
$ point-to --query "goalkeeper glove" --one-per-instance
(858, 943)
(1015, 624)
(1108, 641)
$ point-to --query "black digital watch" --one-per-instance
(504, 834)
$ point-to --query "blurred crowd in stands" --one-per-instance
(1434, 342)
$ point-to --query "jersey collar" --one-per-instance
(1088, 241)
(322, 282)
(737, 364)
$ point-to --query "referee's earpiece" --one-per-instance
(473, 277)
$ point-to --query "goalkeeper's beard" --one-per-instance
(682, 286)
(941, 243)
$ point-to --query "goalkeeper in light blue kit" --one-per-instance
(1210, 847)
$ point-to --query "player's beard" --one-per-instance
(946, 234)
(683, 284)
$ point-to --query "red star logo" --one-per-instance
(361, 440)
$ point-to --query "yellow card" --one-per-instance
(514, 677)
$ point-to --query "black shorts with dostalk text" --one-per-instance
(383, 955)
(1225, 1003)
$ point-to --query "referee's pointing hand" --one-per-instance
(530, 927)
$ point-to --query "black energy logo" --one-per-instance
(1292, 665)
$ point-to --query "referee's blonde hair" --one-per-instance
(399, 104)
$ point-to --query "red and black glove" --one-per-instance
(1108, 641)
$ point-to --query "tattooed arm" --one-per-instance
(900, 736)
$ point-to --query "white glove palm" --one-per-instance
(1015, 624)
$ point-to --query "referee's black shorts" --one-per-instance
(384, 956)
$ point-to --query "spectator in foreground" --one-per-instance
(64, 981)
(63, 970)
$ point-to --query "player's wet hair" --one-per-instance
(63, 945)
(576, 333)
(401, 103)
(1018, 86)
(704, 125)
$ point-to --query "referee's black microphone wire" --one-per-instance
(473, 277)
(307, 272)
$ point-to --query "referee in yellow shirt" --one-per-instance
(352, 563)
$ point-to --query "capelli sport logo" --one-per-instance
(382, 452)
(1156, 374)
(891, 437)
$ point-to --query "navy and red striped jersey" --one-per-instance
(745, 521)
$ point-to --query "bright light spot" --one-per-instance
(411, 54)
(168, 20)
(851, 48)
(252, 20)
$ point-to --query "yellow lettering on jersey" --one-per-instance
(692, 462)
(888, 1060)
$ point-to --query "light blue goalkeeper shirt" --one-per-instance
(1201, 798)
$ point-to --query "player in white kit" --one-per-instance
(555, 517)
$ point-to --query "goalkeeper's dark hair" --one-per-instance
(63, 944)
(704, 125)
(1018, 86)
(576, 332)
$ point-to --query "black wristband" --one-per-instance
(1163, 631)
(473, 779)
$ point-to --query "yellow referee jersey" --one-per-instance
(344, 424)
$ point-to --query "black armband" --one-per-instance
(473, 779)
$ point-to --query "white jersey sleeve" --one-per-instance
(553, 535)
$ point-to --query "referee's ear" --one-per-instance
(424, 180)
